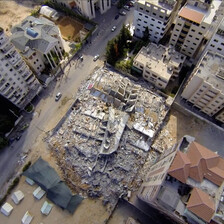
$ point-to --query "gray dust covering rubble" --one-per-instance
(105, 140)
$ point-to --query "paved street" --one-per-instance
(48, 112)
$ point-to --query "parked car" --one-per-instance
(113, 28)
(116, 17)
(127, 7)
(58, 96)
(96, 57)
(123, 13)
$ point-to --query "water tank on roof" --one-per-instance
(31, 32)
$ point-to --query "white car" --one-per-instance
(123, 13)
(96, 57)
(127, 7)
(58, 96)
(113, 28)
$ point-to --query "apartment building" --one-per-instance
(87, 8)
(205, 88)
(192, 25)
(216, 43)
(17, 82)
(39, 42)
(156, 15)
(186, 183)
(158, 64)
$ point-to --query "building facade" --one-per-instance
(205, 88)
(158, 64)
(156, 15)
(88, 8)
(192, 25)
(186, 183)
(39, 42)
(216, 44)
(18, 84)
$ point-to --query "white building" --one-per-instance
(192, 25)
(158, 64)
(86, 7)
(156, 15)
(39, 42)
(205, 88)
(216, 43)
(17, 82)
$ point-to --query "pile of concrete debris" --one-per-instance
(105, 139)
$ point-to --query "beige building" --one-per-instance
(39, 42)
(205, 88)
(17, 82)
(187, 181)
(192, 24)
(156, 15)
(158, 64)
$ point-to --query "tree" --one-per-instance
(145, 34)
(111, 52)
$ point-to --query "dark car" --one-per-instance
(116, 17)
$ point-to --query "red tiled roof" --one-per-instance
(180, 167)
(191, 15)
(201, 204)
(198, 163)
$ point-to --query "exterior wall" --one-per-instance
(187, 36)
(88, 8)
(159, 64)
(220, 116)
(155, 177)
(36, 62)
(153, 16)
(16, 80)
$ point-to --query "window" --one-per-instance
(147, 10)
(199, 33)
(179, 24)
(146, 17)
(193, 30)
(219, 49)
(212, 45)
(145, 22)
(140, 14)
(154, 14)
(203, 27)
(197, 38)
(190, 36)
(216, 41)
(141, 8)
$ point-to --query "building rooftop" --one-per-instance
(160, 59)
(211, 69)
(201, 204)
(198, 163)
(199, 15)
(34, 33)
(164, 4)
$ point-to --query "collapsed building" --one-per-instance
(104, 140)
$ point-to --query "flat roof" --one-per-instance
(211, 69)
(153, 57)
(191, 15)
(194, 13)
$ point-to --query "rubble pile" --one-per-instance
(106, 138)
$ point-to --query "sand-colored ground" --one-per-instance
(13, 12)
(69, 27)
(84, 213)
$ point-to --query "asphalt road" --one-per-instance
(47, 112)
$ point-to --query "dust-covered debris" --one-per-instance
(106, 138)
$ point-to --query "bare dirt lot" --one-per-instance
(69, 28)
(13, 12)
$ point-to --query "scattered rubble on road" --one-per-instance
(106, 138)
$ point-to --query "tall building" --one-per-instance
(205, 88)
(192, 24)
(17, 82)
(39, 42)
(186, 183)
(216, 43)
(158, 64)
(87, 8)
(156, 15)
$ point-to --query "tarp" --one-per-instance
(57, 191)
(42, 174)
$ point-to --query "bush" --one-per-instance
(26, 166)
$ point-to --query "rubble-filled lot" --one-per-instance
(105, 139)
